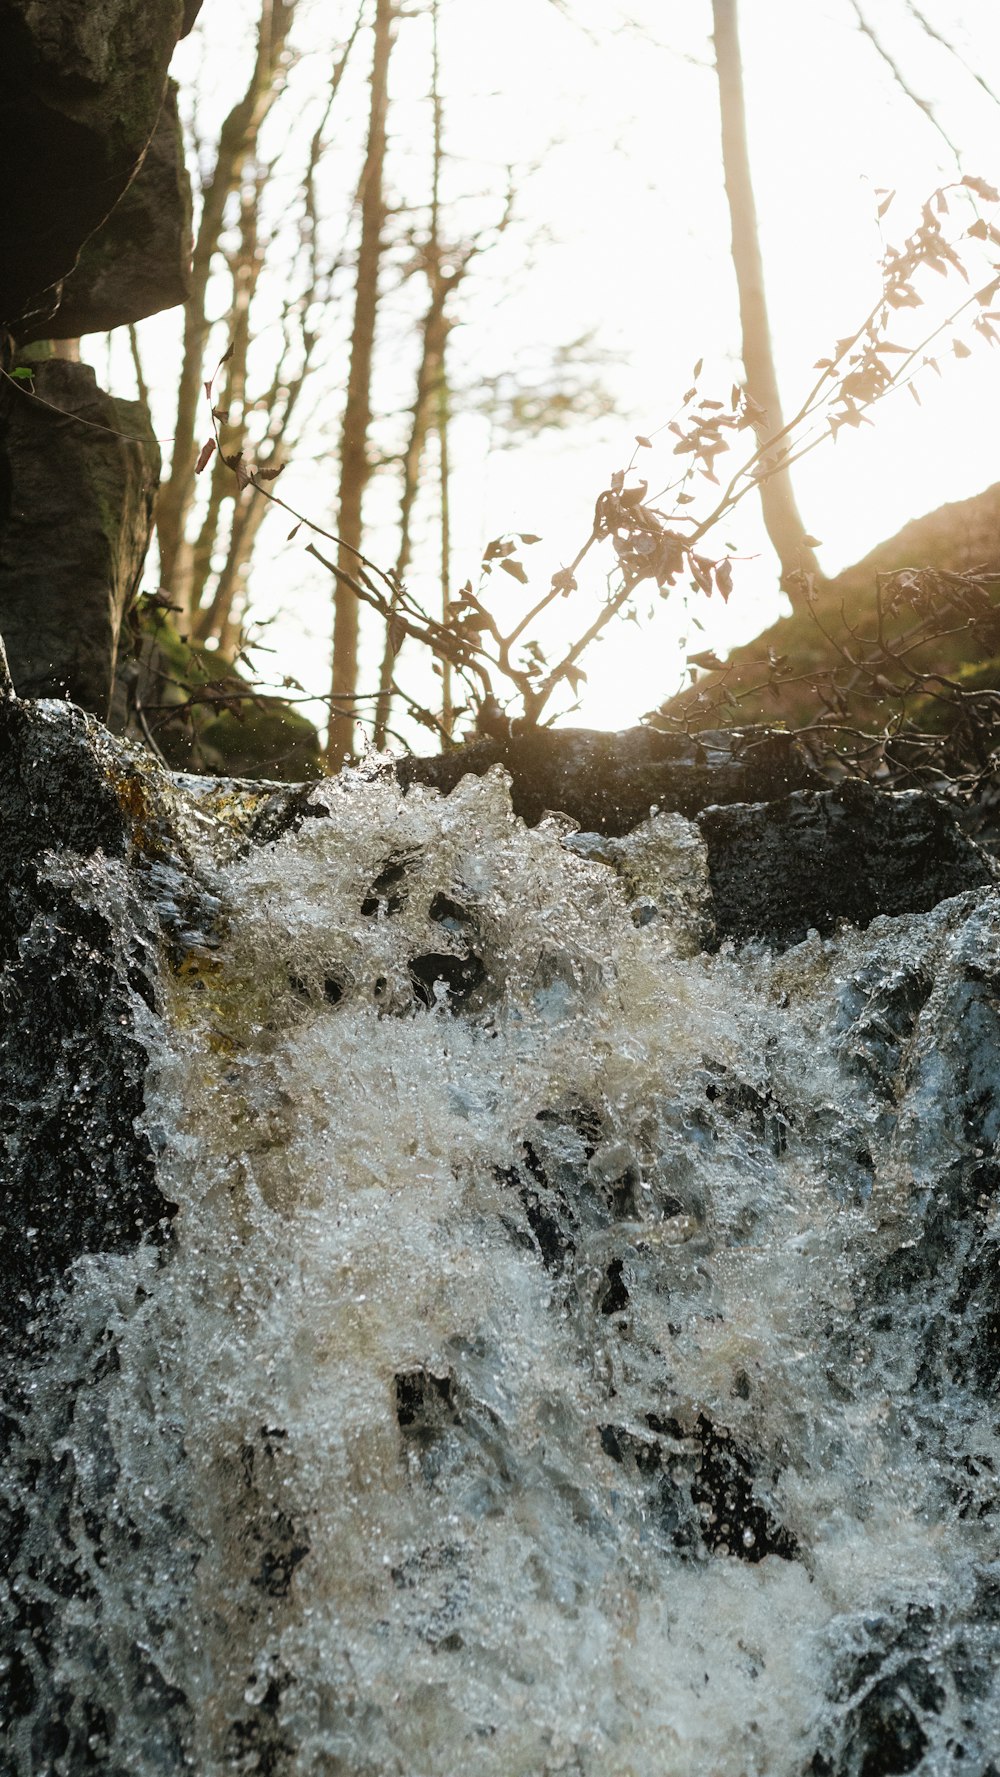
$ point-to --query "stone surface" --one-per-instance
(76, 953)
(75, 512)
(138, 261)
(79, 974)
(609, 782)
(81, 87)
(806, 861)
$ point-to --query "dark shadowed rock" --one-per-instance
(609, 782)
(77, 1174)
(81, 88)
(138, 262)
(201, 710)
(810, 859)
(75, 511)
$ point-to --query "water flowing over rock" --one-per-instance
(544, 1345)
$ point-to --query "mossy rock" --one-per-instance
(939, 715)
(961, 537)
(203, 714)
(269, 739)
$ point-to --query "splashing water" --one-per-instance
(575, 1352)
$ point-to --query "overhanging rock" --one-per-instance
(139, 260)
(81, 88)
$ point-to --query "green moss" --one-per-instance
(273, 741)
(263, 737)
(939, 715)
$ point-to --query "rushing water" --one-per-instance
(574, 1353)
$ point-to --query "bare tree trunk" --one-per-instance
(212, 615)
(141, 384)
(355, 468)
(431, 408)
(781, 514)
(237, 138)
(444, 473)
(431, 369)
(246, 270)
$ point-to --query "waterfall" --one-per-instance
(558, 1341)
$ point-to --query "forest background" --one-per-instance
(541, 260)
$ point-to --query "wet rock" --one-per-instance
(456, 978)
(78, 1180)
(421, 1396)
(608, 783)
(702, 1484)
(389, 890)
(80, 92)
(806, 861)
(285, 811)
(441, 978)
(908, 1691)
(604, 1377)
(76, 497)
(76, 951)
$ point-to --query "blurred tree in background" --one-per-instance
(335, 256)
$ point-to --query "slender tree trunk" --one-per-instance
(231, 400)
(142, 387)
(431, 369)
(781, 514)
(237, 139)
(430, 409)
(249, 512)
(213, 592)
(355, 467)
(444, 472)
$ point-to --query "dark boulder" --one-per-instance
(610, 782)
(81, 89)
(139, 260)
(76, 1173)
(779, 869)
(78, 474)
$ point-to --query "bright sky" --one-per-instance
(622, 232)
